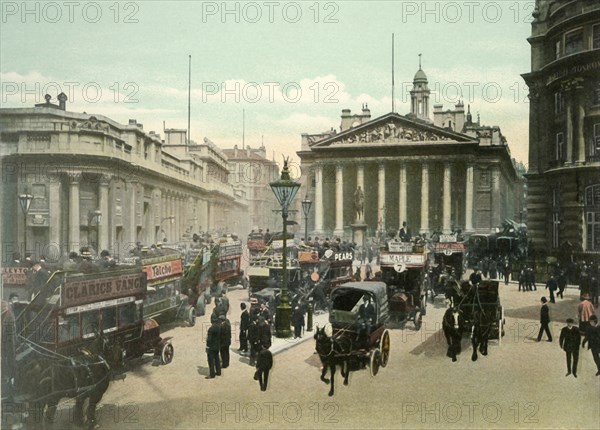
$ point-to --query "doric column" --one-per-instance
(55, 218)
(105, 218)
(446, 199)
(580, 134)
(569, 132)
(402, 194)
(339, 200)
(209, 215)
(424, 198)
(132, 213)
(496, 203)
(318, 200)
(381, 196)
(74, 218)
(360, 176)
(469, 198)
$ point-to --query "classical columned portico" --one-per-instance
(469, 198)
(424, 198)
(339, 200)
(74, 217)
(318, 200)
(447, 203)
(381, 197)
(402, 190)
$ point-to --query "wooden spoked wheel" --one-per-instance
(385, 348)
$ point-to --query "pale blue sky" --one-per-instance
(479, 46)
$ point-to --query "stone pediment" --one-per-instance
(392, 129)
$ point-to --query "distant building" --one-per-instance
(107, 185)
(250, 174)
(446, 174)
(564, 129)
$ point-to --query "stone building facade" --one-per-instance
(78, 166)
(250, 174)
(564, 128)
(431, 176)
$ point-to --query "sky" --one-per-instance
(287, 67)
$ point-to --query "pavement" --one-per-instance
(280, 345)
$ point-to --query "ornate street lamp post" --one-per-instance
(306, 204)
(285, 190)
(25, 200)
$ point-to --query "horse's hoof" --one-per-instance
(326, 381)
(474, 357)
(331, 394)
(345, 382)
(448, 354)
(453, 358)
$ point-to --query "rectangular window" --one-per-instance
(89, 323)
(559, 146)
(68, 328)
(596, 36)
(555, 226)
(109, 319)
(574, 41)
(557, 50)
(559, 102)
(126, 314)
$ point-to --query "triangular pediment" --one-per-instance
(392, 130)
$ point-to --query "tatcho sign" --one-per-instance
(163, 270)
(88, 290)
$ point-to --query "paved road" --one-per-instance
(520, 384)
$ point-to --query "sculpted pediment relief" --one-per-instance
(390, 130)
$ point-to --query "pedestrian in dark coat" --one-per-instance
(244, 325)
(298, 322)
(562, 283)
(592, 337)
(544, 320)
(506, 268)
(552, 285)
(264, 333)
(264, 363)
(522, 280)
(475, 277)
(254, 340)
(569, 341)
(213, 346)
(225, 341)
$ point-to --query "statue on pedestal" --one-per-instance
(359, 203)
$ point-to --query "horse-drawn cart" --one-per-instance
(357, 336)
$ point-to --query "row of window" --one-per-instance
(593, 147)
(560, 99)
(592, 218)
(86, 324)
(574, 41)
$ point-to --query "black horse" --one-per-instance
(44, 378)
(480, 333)
(39, 378)
(327, 347)
(453, 325)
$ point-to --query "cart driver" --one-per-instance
(366, 317)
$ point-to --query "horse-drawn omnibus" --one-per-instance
(404, 269)
(164, 301)
(102, 311)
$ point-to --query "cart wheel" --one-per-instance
(374, 361)
(191, 316)
(501, 326)
(166, 353)
(418, 320)
(385, 348)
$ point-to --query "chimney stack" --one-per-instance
(62, 101)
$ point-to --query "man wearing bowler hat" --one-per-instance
(569, 341)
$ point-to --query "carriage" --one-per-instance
(360, 343)
(480, 301)
(404, 270)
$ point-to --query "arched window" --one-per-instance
(592, 217)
